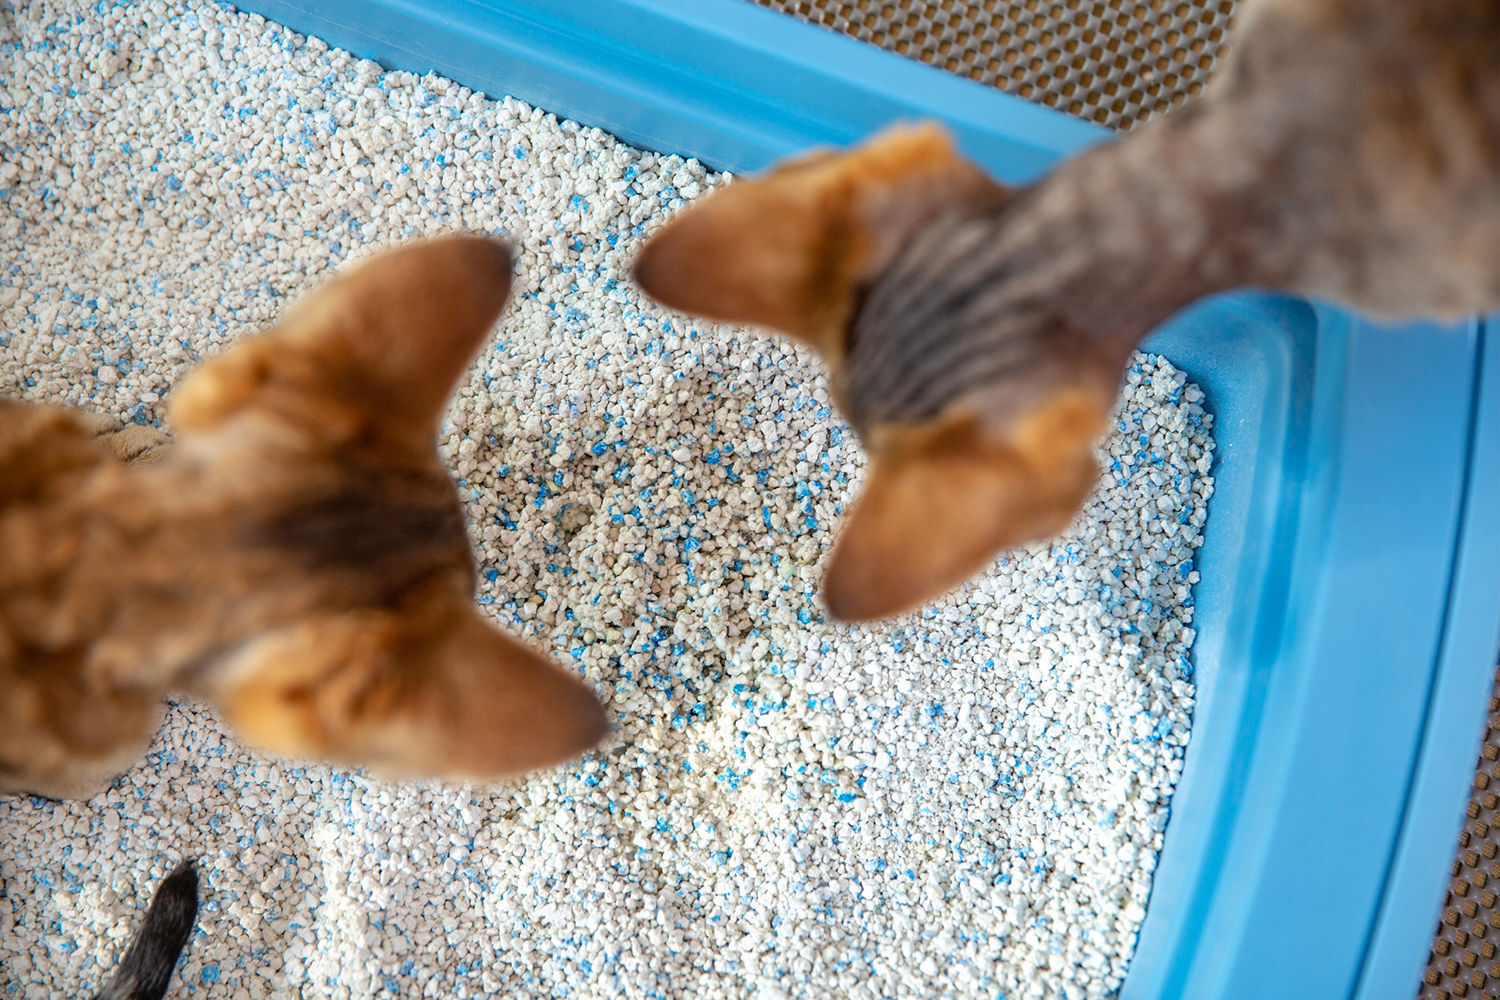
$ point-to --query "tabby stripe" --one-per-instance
(935, 324)
(978, 365)
(985, 324)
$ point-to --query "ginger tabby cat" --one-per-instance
(297, 556)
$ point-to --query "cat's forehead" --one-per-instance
(355, 526)
(942, 321)
(357, 531)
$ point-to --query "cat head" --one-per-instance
(801, 250)
(331, 543)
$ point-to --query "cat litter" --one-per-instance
(966, 802)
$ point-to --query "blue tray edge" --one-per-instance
(1415, 889)
(726, 81)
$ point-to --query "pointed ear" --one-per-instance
(451, 699)
(382, 344)
(940, 503)
(790, 249)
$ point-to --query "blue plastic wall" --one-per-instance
(1349, 609)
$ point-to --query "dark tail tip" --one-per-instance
(147, 966)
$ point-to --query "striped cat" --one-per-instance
(976, 335)
(297, 556)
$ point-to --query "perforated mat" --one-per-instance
(1464, 963)
(1116, 62)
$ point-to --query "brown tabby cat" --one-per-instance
(976, 335)
(297, 557)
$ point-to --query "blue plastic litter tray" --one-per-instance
(1349, 609)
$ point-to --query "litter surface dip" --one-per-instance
(964, 802)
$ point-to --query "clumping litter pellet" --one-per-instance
(964, 802)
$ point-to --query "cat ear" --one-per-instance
(789, 250)
(452, 698)
(940, 503)
(379, 346)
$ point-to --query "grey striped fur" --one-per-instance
(938, 323)
(1350, 149)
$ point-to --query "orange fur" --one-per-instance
(941, 500)
(297, 556)
(791, 250)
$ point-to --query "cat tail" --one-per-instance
(147, 966)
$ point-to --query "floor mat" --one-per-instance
(1464, 963)
(1115, 62)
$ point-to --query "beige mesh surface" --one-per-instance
(1464, 963)
(1116, 62)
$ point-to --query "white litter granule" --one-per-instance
(966, 802)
